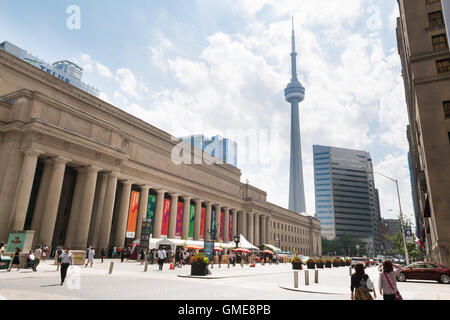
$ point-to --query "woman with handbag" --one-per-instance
(387, 282)
(361, 284)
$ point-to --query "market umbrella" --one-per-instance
(267, 251)
(218, 249)
(192, 247)
(242, 250)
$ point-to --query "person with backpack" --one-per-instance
(361, 285)
(387, 282)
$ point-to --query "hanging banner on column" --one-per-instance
(179, 219)
(165, 218)
(151, 210)
(213, 220)
(222, 224)
(230, 227)
(132, 215)
(202, 224)
(191, 221)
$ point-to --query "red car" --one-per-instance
(425, 271)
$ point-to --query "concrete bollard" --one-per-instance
(111, 266)
(316, 276)
(306, 278)
(350, 271)
(295, 279)
(145, 266)
(242, 263)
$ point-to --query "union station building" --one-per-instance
(81, 172)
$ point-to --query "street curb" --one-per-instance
(309, 291)
(236, 276)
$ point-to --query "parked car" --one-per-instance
(356, 260)
(425, 271)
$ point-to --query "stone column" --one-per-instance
(198, 217)
(142, 214)
(158, 213)
(242, 227)
(217, 222)
(250, 229)
(234, 224)
(86, 208)
(108, 210)
(96, 219)
(23, 193)
(41, 198)
(208, 221)
(121, 222)
(268, 239)
(226, 224)
(256, 228)
(52, 203)
(173, 215)
(186, 210)
(262, 237)
(77, 200)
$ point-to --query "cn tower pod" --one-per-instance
(294, 92)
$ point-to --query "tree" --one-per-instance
(343, 246)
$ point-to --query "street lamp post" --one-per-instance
(401, 216)
(357, 250)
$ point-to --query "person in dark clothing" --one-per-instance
(15, 260)
(356, 285)
(103, 254)
(123, 254)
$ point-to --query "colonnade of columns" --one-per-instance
(93, 208)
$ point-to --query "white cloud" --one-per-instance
(128, 83)
(91, 66)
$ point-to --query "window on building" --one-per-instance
(447, 109)
(439, 42)
(443, 66)
(435, 19)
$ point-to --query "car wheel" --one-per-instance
(444, 278)
(401, 277)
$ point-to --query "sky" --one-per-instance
(220, 67)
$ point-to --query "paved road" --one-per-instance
(129, 281)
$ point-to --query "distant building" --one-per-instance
(347, 201)
(64, 70)
(221, 148)
(393, 226)
(446, 12)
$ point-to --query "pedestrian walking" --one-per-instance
(123, 254)
(114, 252)
(45, 252)
(361, 284)
(30, 260)
(103, 254)
(59, 257)
(66, 261)
(387, 282)
(90, 257)
(16, 260)
(220, 258)
(161, 257)
(37, 257)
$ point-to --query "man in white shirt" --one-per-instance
(37, 256)
(66, 261)
(161, 257)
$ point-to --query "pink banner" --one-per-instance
(165, 219)
(202, 224)
(230, 224)
(179, 219)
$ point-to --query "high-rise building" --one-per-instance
(221, 148)
(347, 201)
(425, 58)
(294, 94)
(64, 70)
(446, 12)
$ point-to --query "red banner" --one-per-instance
(202, 224)
(165, 219)
(132, 215)
(222, 223)
(230, 227)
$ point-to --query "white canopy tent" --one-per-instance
(244, 243)
(155, 242)
(275, 249)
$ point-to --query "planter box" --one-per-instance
(296, 266)
(342, 264)
(336, 264)
(328, 265)
(311, 265)
(320, 265)
(198, 269)
(348, 264)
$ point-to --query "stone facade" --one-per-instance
(425, 57)
(69, 161)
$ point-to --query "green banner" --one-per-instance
(151, 210)
(16, 240)
(191, 221)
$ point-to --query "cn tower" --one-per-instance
(294, 94)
